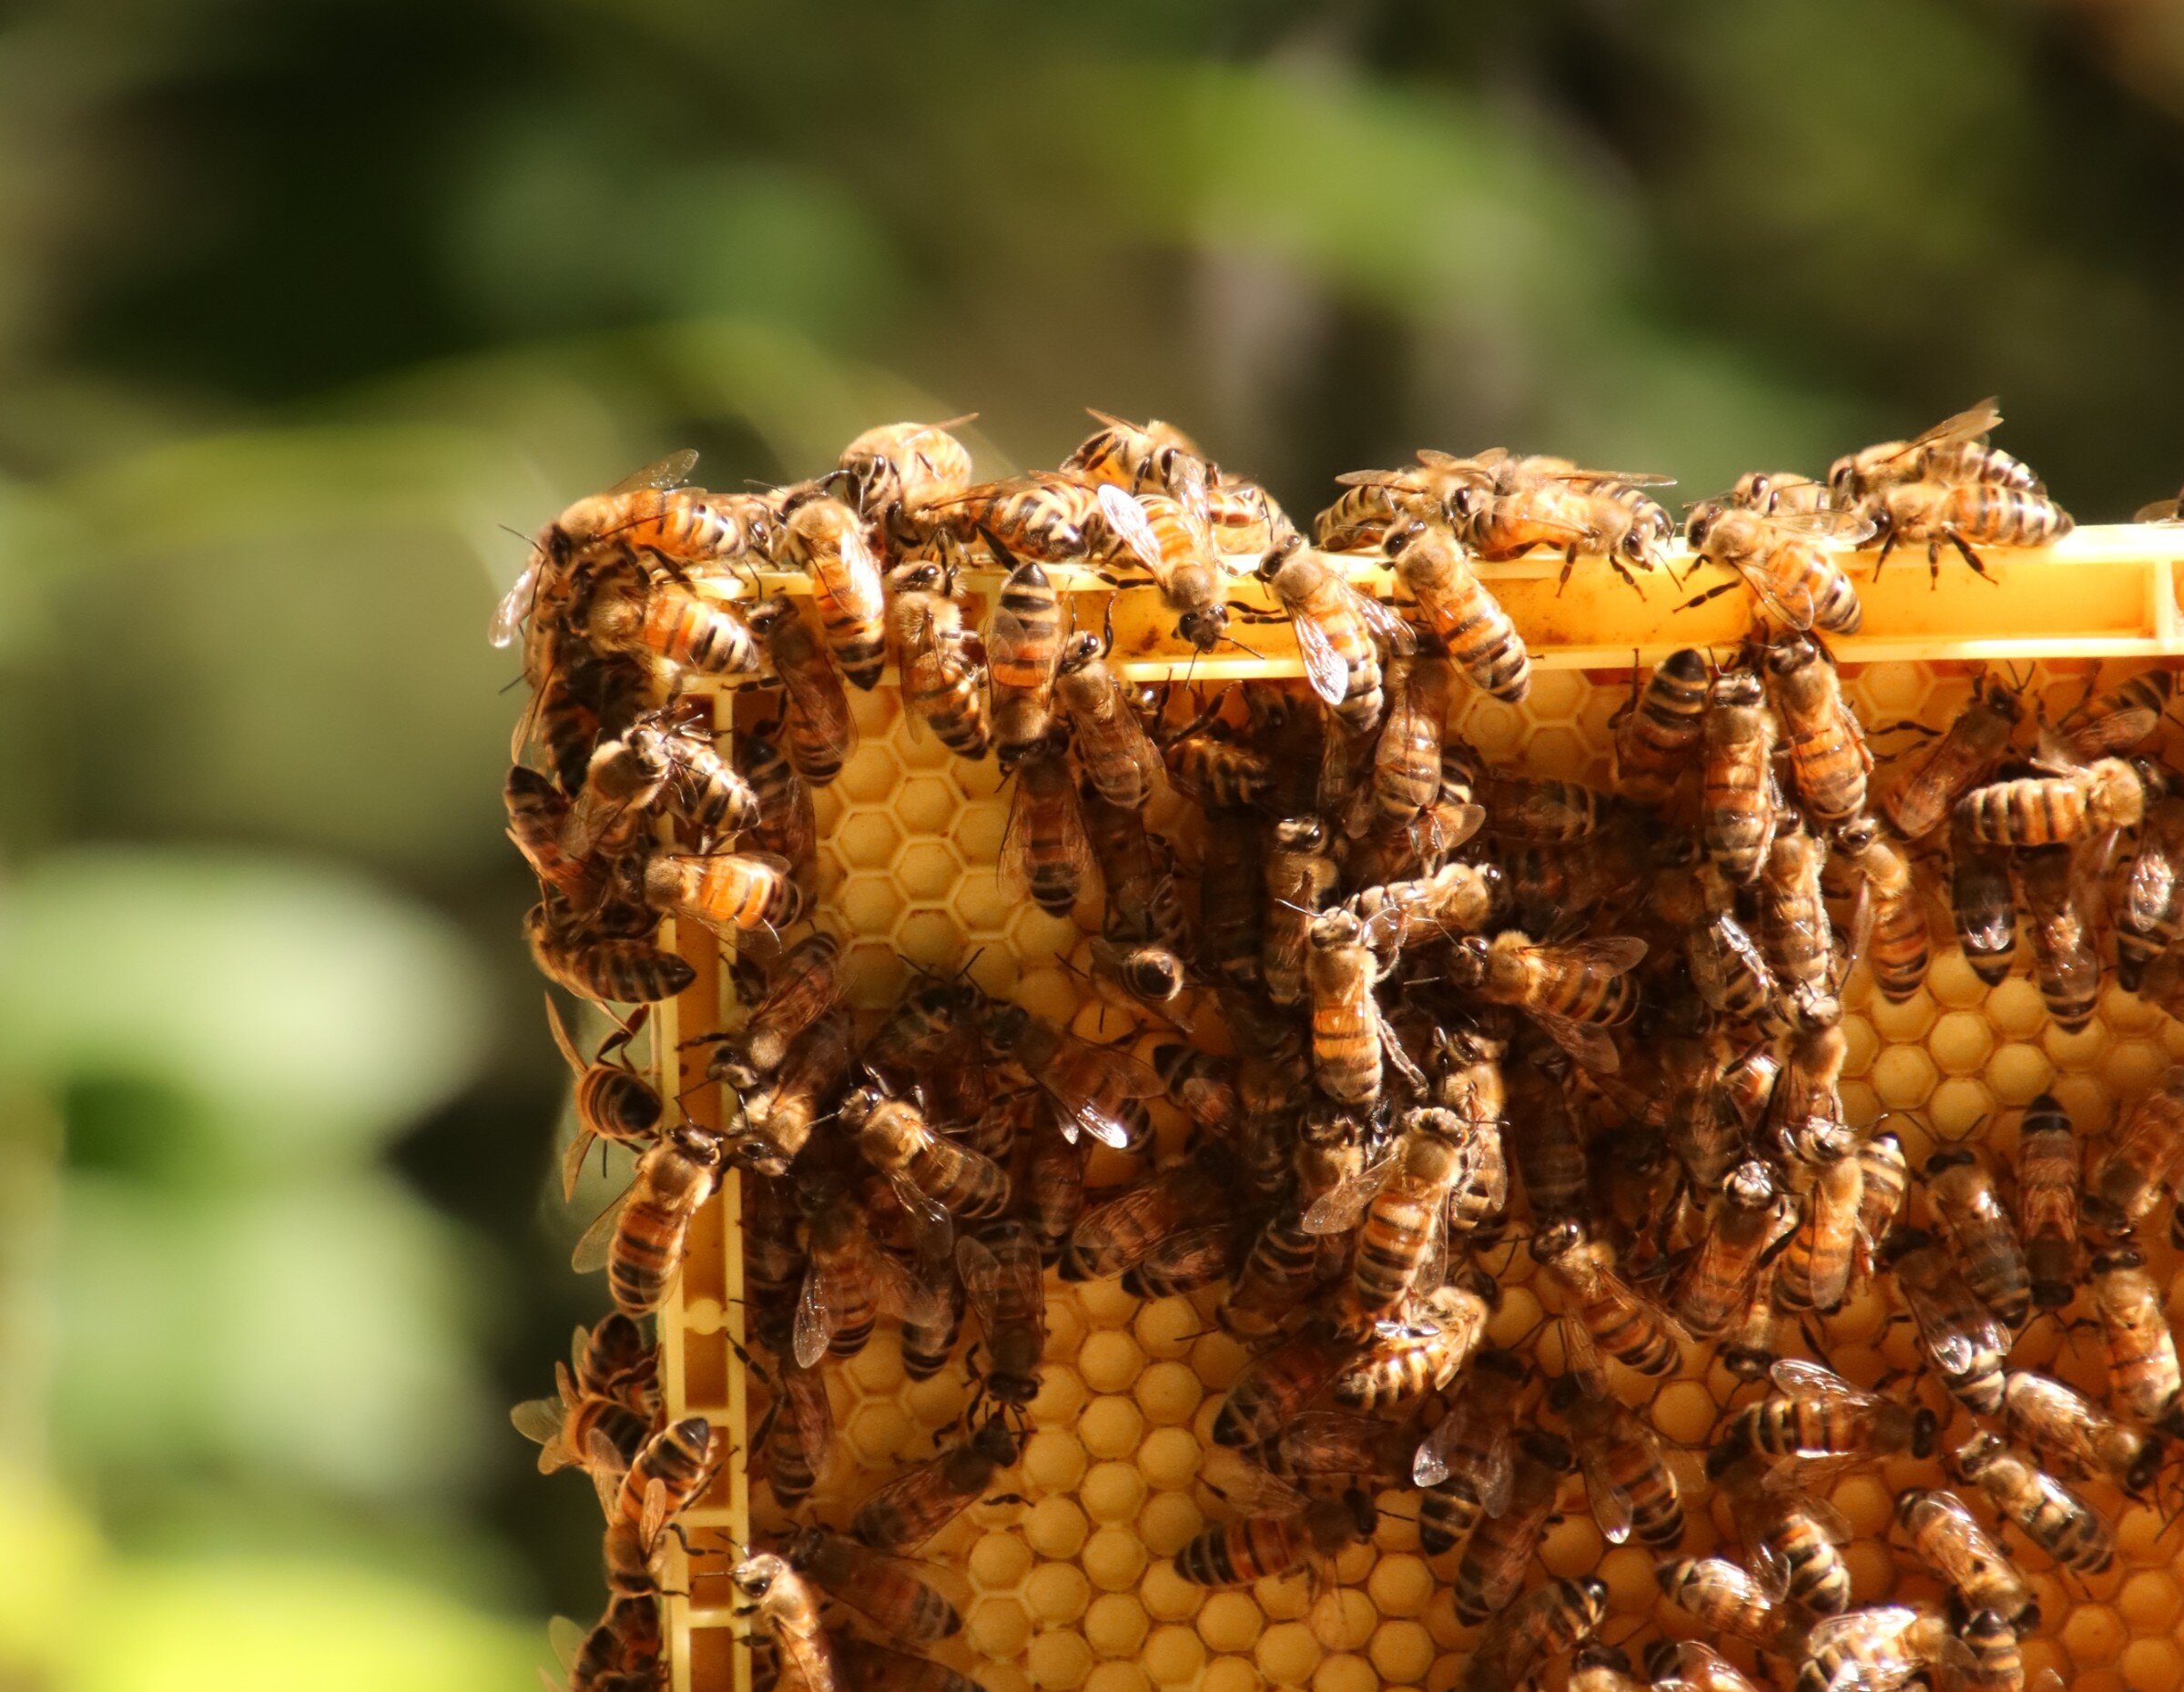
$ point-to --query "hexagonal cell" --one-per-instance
(928, 870)
(926, 805)
(865, 840)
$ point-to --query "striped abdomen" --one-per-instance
(1238, 1552)
(1658, 741)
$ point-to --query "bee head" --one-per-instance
(754, 1578)
(1204, 628)
(995, 1443)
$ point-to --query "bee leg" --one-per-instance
(1970, 557)
(1570, 562)
(1711, 592)
(1887, 547)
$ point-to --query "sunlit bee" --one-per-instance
(1553, 514)
(1628, 1481)
(1136, 456)
(1405, 1360)
(1878, 1649)
(1397, 1208)
(1024, 646)
(2144, 1382)
(1235, 1553)
(2050, 1515)
(585, 1399)
(802, 985)
(1727, 965)
(1364, 516)
(903, 1513)
(1300, 879)
(1992, 1661)
(1610, 1316)
(1966, 1344)
(1406, 758)
(1544, 1623)
(2048, 1184)
(1722, 1597)
(613, 1100)
(1350, 1037)
(895, 471)
(1967, 1207)
(781, 1110)
(943, 673)
(1499, 1554)
(2141, 1159)
(1170, 537)
(2075, 1437)
(1949, 1540)
(1095, 1089)
(788, 827)
(1739, 810)
(853, 1281)
(897, 1140)
(2148, 908)
(828, 540)
(623, 779)
(730, 892)
(704, 788)
(1785, 1530)
(800, 1434)
(1464, 1465)
(886, 1591)
(1115, 1235)
(1458, 611)
(1814, 1419)
(818, 733)
(1339, 633)
(1455, 900)
(1744, 1220)
(620, 1654)
(1886, 1177)
(1573, 991)
(664, 626)
(1659, 732)
(784, 1609)
(1893, 917)
(640, 1240)
(1828, 755)
(2051, 810)
(1953, 451)
(1118, 759)
(1795, 934)
(669, 1476)
(1785, 559)
(872, 1667)
(2124, 718)
(607, 968)
(1807, 1107)
(1044, 517)
(1964, 515)
(652, 511)
(1689, 1666)
(1924, 799)
(1783, 491)
(1814, 1271)
(1278, 1384)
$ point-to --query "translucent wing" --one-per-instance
(918, 650)
(603, 1463)
(1581, 1357)
(1496, 1479)
(932, 1228)
(1333, 1442)
(2114, 730)
(539, 1420)
(2160, 510)
(1610, 1504)
(981, 1273)
(1189, 490)
(1844, 527)
(671, 472)
(1251, 1489)
(1617, 954)
(1587, 1042)
(652, 1513)
(1800, 1379)
(1794, 604)
(1383, 621)
(1968, 424)
(1324, 667)
(1126, 520)
(1343, 1206)
(592, 1248)
(1091, 1084)
(898, 1291)
(514, 606)
(815, 1322)
(1833, 1525)
(1812, 1472)
(572, 1160)
(1611, 479)
(567, 1638)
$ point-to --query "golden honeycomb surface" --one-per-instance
(1071, 1588)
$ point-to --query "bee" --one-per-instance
(1829, 760)
(652, 511)
(1407, 759)
(818, 733)
(1784, 560)
(2148, 910)
(1365, 514)
(934, 1176)
(727, 892)
(787, 826)
(1795, 932)
(2123, 719)
(1455, 900)
(2077, 1439)
(1339, 633)
(1598, 1668)
(1658, 732)
(704, 788)
(1927, 795)
(803, 984)
(538, 812)
(613, 1100)
(829, 540)
(902, 1513)
(1789, 1533)
(1116, 1235)
(780, 1112)
(623, 779)
(1053, 1184)
(786, 1610)
(1960, 513)
(2065, 966)
(1024, 646)
(1744, 1220)
(1046, 517)
(1003, 1279)
(1740, 808)
(1814, 1271)
(1877, 1649)
(1131, 456)
(1545, 1622)
(942, 663)
(1350, 1035)
(621, 1654)
(668, 1474)
(872, 1667)
(2049, 1512)
(1885, 1175)
(2047, 1183)
(1780, 491)
(2144, 1381)
(1628, 1481)
(639, 1240)
(1281, 1529)
(1464, 1465)
(602, 968)
(1300, 880)
(1280, 1265)
(1966, 1344)
(1278, 1383)
(2074, 805)
(1118, 760)
(799, 1432)
(1891, 919)
(1953, 451)
(1610, 1316)
(1983, 904)
(1500, 1548)
(1748, 1349)
(1727, 965)
(1992, 1661)
(1232, 900)
(2142, 1161)
(666, 628)
(1220, 773)
(1968, 1209)
(1397, 1206)
(1171, 537)
(1045, 852)
(608, 1383)
(1948, 1539)
(897, 471)
(1689, 1666)
(852, 1282)
(1723, 1597)
(1405, 1360)
(1095, 1089)
(1458, 611)
(1573, 991)
(1323, 1444)
(1145, 931)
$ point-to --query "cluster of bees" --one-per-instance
(1381, 955)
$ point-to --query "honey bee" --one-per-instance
(2065, 966)
(613, 1100)
(1397, 1206)
(1610, 1316)
(1351, 1039)
(1889, 928)
(1960, 513)
(942, 663)
(639, 1240)
(1948, 1539)
(818, 733)
(1573, 991)
(1053, 1184)
(1796, 935)
(1003, 1281)
(1814, 1271)
(604, 969)
(1544, 1623)
(902, 1513)
(1279, 1383)
(1885, 1174)
(1877, 1649)
(1726, 963)
(1724, 1598)
(1658, 733)
(727, 892)
(2149, 909)
(1339, 633)
(1743, 1222)
(1983, 904)
(1152, 454)
(852, 1282)
(1628, 1481)
(1365, 514)
(799, 1432)
(1281, 1529)
(1968, 1209)
(1117, 758)
(1300, 879)
(1114, 1236)
(803, 984)
(665, 628)
(621, 1654)
(1927, 795)
(1740, 808)
(704, 788)
(886, 1590)
(787, 827)
(1171, 536)
(1279, 1268)
(2142, 1161)
(1458, 611)
(2047, 1183)
(1145, 931)
(1992, 1661)
(1791, 1536)
(1464, 1465)
(2122, 719)
(668, 1474)
(1784, 491)
(936, 1177)
(1407, 759)
(2077, 1439)
(786, 1610)
(897, 471)
(608, 1383)
(1689, 1666)
(2049, 1512)
(1953, 451)
(1828, 757)
(1500, 1548)
(537, 813)
(623, 778)
(1748, 1349)
(2144, 1381)
(780, 1112)
(828, 540)
(1326, 1445)
(871, 1667)
(1784, 560)
(2079, 802)
(1093, 1088)
(1405, 1360)
(1966, 1344)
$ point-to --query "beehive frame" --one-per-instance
(909, 839)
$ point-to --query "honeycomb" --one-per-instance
(1071, 1587)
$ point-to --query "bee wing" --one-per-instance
(1391, 478)
(572, 1160)
(815, 1320)
(1587, 1042)
(1953, 1353)
(1832, 1524)
(514, 606)
(1617, 954)
(1813, 1472)
(1845, 527)
(1190, 491)
(1795, 608)
(1078, 1086)
(671, 472)
(1611, 1504)
(1383, 621)
(1811, 1382)
(1250, 1489)
(652, 1515)
(1016, 837)
(2113, 730)
(1333, 1442)
(540, 1420)
(1611, 479)
(604, 1466)
(1968, 424)
(1324, 667)
(1343, 1206)
(1497, 1478)
(1126, 520)
(981, 1273)
(567, 1638)
(815, 694)
(898, 1291)
(1580, 1356)
(592, 1247)
(2160, 510)
(932, 1227)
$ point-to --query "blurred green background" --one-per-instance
(302, 300)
